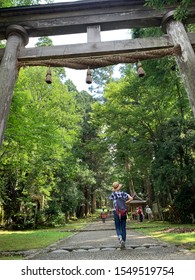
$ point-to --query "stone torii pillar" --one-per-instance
(185, 61)
(17, 38)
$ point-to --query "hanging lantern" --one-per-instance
(48, 78)
(88, 78)
(140, 70)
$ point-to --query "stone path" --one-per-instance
(98, 241)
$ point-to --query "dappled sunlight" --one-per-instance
(174, 238)
(142, 237)
(15, 232)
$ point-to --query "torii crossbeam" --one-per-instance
(92, 17)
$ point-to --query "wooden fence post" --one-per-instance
(17, 38)
(185, 61)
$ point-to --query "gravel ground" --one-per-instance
(98, 242)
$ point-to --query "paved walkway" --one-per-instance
(98, 241)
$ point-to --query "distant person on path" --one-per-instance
(140, 213)
(120, 220)
(103, 216)
(149, 213)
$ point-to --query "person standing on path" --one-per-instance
(120, 221)
(103, 216)
(149, 213)
(140, 213)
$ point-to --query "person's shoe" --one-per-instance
(120, 237)
(122, 244)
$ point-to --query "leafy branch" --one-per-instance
(181, 12)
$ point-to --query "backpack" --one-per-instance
(103, 215)
(121, 207)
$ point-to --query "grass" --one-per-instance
(11, 257)
(27, 240)
(167, 232)
(13, 241)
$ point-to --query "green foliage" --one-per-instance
(44, 41)
(5, 3)
(149, 131)
(42, 128)
(173, 166)
(184, 204)
(103, 75)
(181, 11)
(14, 3)
(49, 167)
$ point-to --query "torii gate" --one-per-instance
(90, 16)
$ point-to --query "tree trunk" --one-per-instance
(130, 181)
(17, 37)
(149, 189)
(93, 202)
(185, 60)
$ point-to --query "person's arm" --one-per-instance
(130, 198)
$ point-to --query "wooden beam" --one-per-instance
(75, 17)
(95, 49)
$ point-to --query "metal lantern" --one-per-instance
(88, 78)
(48, 78)
(140, 70)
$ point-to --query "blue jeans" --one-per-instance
(120, 226)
